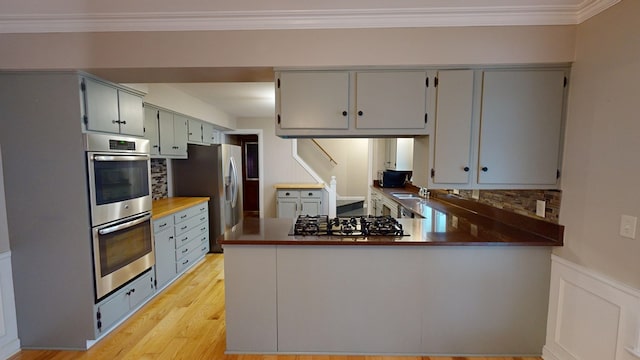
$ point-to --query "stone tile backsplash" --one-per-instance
(159, 188)
(520, 201)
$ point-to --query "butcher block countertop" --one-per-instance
(300, 186)
(168, 206)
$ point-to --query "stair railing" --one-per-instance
(324, 151)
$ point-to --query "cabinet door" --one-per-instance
(101, 103)
(180, 135)
(391, 148)
(165, 256)
(287, 208)
(452, 148)
(131, 114)
(165, 124)
(521, 126)
(310, 207)
(151, 132)
(391, 100)
(195, 131)
(314, 100)
(209, 134)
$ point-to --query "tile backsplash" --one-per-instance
(520, 201)
(159, 188)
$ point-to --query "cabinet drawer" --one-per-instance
(288, 193)
(187, 248)
(189, 235)
(162, 224)
(311, 193)
(191, 223)
(183, 215)
(190, 259)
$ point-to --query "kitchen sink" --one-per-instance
(405, 196)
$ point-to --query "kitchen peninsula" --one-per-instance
(459, 283)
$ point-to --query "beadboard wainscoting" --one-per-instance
(590, 317)
(9, 343)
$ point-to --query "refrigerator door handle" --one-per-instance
(234, 183)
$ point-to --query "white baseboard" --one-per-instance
(9, 342)
(591, 317)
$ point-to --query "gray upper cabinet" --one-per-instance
(498, 128)
(112, 109)
(391, 100)
(521, 127)
(195, 131)
(173, 134)
(313, 100)
(151, 131)
(351, 103)
(452, 141)
(209, 134)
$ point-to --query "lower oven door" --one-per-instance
(121, 251)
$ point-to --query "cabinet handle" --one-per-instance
(344, 113)
(162, 225)
(204, 248)
(115, 121)
(466, 169)
(183, 216)
(485, 169)
(155, 146)
(185, 250)
(123, 122)
(360, 113)
(185, 262)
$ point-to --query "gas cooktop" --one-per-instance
(347, 226)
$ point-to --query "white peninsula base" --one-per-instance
(428, 300)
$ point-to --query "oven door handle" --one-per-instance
(120, 157)
(125, 225)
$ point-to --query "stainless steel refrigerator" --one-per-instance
(214, 171)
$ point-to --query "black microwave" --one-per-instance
(392, 178)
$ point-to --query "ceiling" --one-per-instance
(247, 99)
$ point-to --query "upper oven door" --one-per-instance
(119, 186)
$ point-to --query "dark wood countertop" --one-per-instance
(446, 221)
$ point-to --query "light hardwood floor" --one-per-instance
(186, 321)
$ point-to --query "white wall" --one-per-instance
(169, 97)
(280, 166)
(351, 156)
(282, 48)
(601, 172)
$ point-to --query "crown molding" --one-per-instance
(306, 19)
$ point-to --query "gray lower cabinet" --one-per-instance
(121, 303)
(192, 236)
(291, 203)
(165, 243)
(181, 239)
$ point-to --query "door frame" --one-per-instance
(260, 135)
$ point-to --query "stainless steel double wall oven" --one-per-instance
(119, 175)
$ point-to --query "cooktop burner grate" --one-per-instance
(347, 226)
